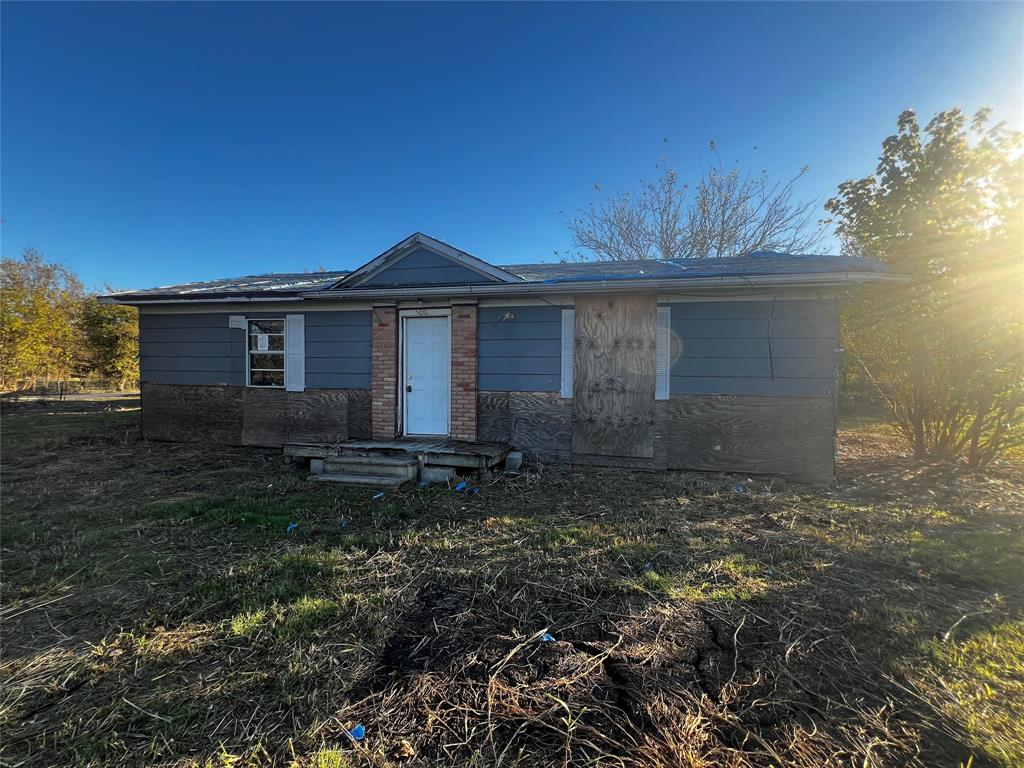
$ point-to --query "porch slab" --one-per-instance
(431, 451)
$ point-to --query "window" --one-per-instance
(266, 353)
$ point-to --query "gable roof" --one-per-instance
(758, 269)
(399, 251)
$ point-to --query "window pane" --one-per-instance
(266, 326)
(266, 378)
(267, 361)
(273, 343)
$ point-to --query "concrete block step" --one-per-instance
(381, 466)
(368, 481)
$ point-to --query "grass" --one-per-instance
(156, 611)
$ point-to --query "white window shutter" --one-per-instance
(568, 350)
(661, 354)
(295, 353)
(236, 321)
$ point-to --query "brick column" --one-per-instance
(464, 403)
(385, 372)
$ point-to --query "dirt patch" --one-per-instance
(447, 655)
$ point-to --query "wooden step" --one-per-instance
(369, 481)
(404, 467)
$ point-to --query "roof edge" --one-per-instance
(392, 254)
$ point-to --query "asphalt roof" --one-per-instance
(753, 264)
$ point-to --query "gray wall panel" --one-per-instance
(148, 364)
(506, 382)
(780, 309)
(188, 334)
(338, 349)
(337, 381)
(336, 333)
(200, 348)
(519, 348)
(783, 348)
(423, 267)
(711, 385)
(551, 366)
(188, 377)
(197, 320)
(338, 365)
(515, 315)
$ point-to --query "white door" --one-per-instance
(426, 391)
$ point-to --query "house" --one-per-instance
(726, 364)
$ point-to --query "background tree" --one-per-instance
(946, 352)
(50, 329)
(111, 333)
(729, 213)
(39, 309)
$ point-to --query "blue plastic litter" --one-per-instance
(378, 496)
(424, 483)
(343, 523)
(474, 490)
(739, 488)
(462, 486)
(357, 732)
(547, 638)
(292, 527)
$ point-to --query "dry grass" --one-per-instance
(155, 612)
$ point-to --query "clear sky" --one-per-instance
(147, 144)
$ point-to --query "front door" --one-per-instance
(426, 369)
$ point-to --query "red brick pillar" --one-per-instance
(385, 372)
(464, 372)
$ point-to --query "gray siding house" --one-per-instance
(726, 364)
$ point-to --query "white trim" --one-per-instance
(568, 352)
(660, 286)
(397, 252)
(248, 353)
(403, 315)
(295, 353)
(425, 311)
(630, 285)
(662, 344)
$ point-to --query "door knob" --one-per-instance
(408, 387)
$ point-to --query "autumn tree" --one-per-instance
(39, 312)
(726, 213)
(111, 334)
(946, 351)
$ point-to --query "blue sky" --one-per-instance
(146, 144)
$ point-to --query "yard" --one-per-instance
(157, 610)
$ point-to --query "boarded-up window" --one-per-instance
(266, 353)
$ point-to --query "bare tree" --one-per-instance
(729, 213)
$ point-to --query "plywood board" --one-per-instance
(788, 436)
(272, 417)
(359, 414)
(184, 413)
(541, 425)
(613, 402)
(494, 417)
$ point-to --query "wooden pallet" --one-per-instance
(444, 452)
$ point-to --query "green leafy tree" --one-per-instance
(946, 351)
(111, 335)
(39, 313)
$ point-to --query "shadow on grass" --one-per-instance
(690, 625)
